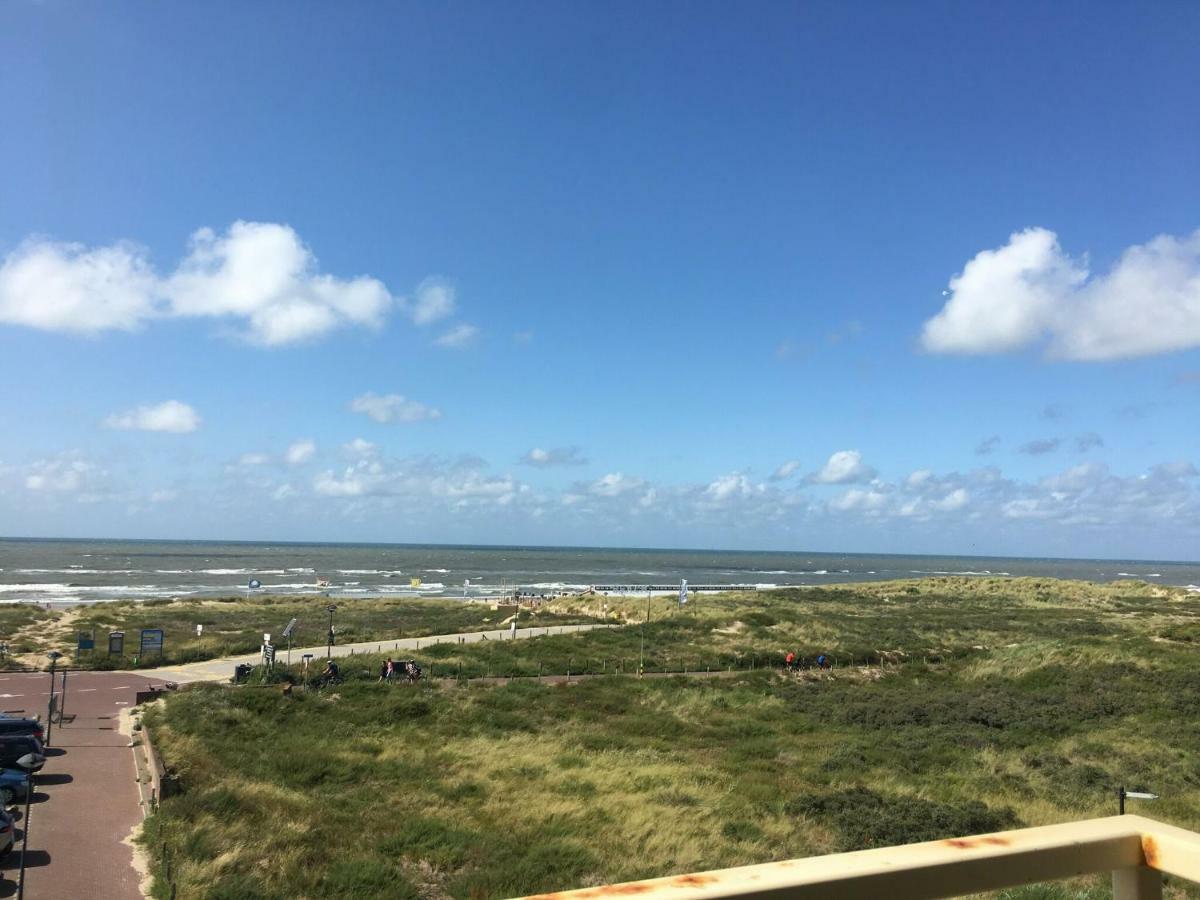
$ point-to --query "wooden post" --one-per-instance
(1137, 884)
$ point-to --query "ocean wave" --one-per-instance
(946, 572)
(75, 570)
(554, 586)
(437, 571)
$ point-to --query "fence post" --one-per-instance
(1139, 883)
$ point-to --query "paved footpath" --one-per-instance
(86, 798)
(222, 669)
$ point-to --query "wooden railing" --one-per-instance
(1138, 852)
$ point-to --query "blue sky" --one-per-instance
(864, 277)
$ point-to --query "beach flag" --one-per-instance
(254, 583)
(683, 592)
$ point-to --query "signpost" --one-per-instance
(152, 642)
(287, 633)
(87, 641)
(116, 643)
(307, 658)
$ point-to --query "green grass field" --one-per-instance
(1003, 705)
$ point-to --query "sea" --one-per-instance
(62, 572)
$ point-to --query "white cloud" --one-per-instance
(434, 300)
(457, 485)
(257, 274)
(262, 273)
(67, 474)
(1030, 291)
(171, 416)
(359, 448)
(300, 452)
(860, 500)
(843, 467)
(730, 487)
(68, 287)
(614, 484)
(955, 500)
(393, 408)
(253, 459)
(58, 475)
(786, 470)
(458, 337)
(558, 456)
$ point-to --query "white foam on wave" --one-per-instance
(979, 573)
(437, 571)
(76, 570)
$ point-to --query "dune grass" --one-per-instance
(235, 625)
(1030, 710)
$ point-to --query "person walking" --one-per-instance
(790, 661)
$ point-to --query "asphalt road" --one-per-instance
(86, 800)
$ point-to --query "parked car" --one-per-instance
(7, 832)
(14, 785)
(31, 727)
(14, 747)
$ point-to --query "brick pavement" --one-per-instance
(86, 799)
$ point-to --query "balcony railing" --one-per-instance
(1137, 851)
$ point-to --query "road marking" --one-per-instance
(122, 703)
(83, 690)
(123, 687)
(6, 696)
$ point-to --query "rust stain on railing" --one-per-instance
(1150, 850)
(1116, 844)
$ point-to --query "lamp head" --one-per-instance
(31, 762)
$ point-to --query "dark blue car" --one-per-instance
(14, 784)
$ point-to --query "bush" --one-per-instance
(864, 818)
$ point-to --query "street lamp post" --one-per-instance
(54, 657)
(30, 763)
(642, 652)
(329, 644)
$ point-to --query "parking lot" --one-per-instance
(85, 802)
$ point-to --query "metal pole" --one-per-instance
(62, 701)
(1121, 800)
(50, 703)
(25, 835)
(642, 652)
